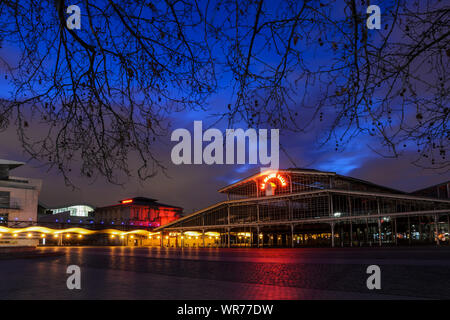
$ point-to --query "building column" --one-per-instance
(448, 221)
(367, 232)
(203, 238)
(228, 239)
(257, 212)
(182, 239)
(223, 238)
(379, 231)
(349, 201)
(379, 221)
(436, 227)
(332, 234)
(395, 230)
(292, 235)
(409, 231)
(330, 207)
(257, 236)
(420, 228)
(290, 211)
(392, 229)
(161, 239)
(351, 233)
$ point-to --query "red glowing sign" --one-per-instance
(271, 176)
(127, 201)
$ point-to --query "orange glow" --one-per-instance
(127, 201)
(271, 176)
(80, 232)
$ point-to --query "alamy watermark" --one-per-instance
(374, 20)
(74, 280)
(231, 149)
(374, 280)
(74, 20)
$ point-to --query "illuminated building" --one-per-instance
(70, 215)
(18, 203)
(79, 210)
(305, 207)
(75, 236)
(64, 219)
(138, 211)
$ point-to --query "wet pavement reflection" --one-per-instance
(167, 273)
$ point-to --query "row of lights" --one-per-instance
(68, 236)
(182, 237)
(29, 235)
(121, 237)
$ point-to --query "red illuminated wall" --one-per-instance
(153, 216)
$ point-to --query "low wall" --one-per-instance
(17, 249)
(20, 242)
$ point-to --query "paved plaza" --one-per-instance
(162, 273)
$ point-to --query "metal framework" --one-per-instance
(321, 204)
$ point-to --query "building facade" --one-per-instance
(78, 210)
(18, 203)
(138, 211)
(64, 219)
(304, 207)
(440, 191)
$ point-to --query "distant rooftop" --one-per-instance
(307, 171)
(143, 201)
(10, 164)
(6, 166)
(138, 200)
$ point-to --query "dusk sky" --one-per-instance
(195, 186)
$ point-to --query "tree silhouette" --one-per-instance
(109, 90)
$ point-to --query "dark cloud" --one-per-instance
(398, 173)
